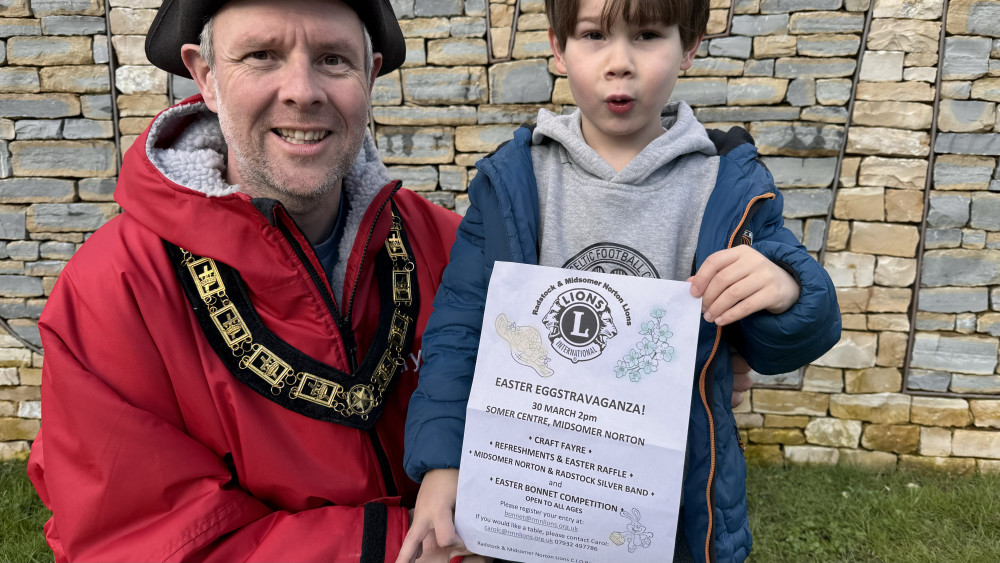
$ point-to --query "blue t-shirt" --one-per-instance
(326, 250)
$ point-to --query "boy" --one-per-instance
(616, 176)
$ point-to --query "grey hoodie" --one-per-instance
(642, 221)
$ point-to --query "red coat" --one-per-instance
(151, 450)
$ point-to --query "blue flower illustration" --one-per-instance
(645, 356)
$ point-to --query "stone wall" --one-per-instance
(895, 99)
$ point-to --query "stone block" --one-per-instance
(900, 439)
(453, 178)
(430, 8)
(985, 413)
(806, 203)
(15, 9)
(953, 299)
(482, 138)
(444, 86)
(895, 91)
(988, 323)
(520, 82)
(81, 79)
(961, 267)
(69, 217)
(889, 300)
(462, 204)
(810, 67)
(508, 113)
(748, 420)
(43, 8)
(736, 47)
(35, 190)
(898, 322)
(700, 91)
(966, 58)
(904, 206)
(860, 203)
(20, 286)
(802, 92)
(49, 51)
(131, 21)
(97, 106)
(963, 172)
(916, 9)
(141, 105)
(948, 465)
(777, 436)
(785, 421)
(826, 22)
(715, 67)
(777, 401)
(977, 384)
(73, 25)
(885, 239)
(986, 89)
(894, 271)
(416, 55)
(795, 139)
(101, 50)
(985, 212)
(804, 172)
(900, 115)
(963, 354)
(873, 380)
(909, 35)
(822, 380)
(745, 113)
(815, 234)
(424, 115)
(54, 250)
(854, 350)
(87, 129)
(786, 6)
(974, 17)
(64, 158)
(811, 455)
(387, 90)
(19, 80)
(833, 91)
(976, 443)
(848, 269)
(879, 408)
(956, 89)
(38, 129)
(833, 432)
(940, 411)
(968, 143)
(837, 235)
(935, 321)
(949, 210)
(96, 189)
(416, 178)
(828, 45)
(884, 141)
(966, 116)
(561, 93)
(772, 24)
(773, 46)
(18, 429)
(872, 461)
(763, 454)
(456, 51)
(882, 66)
(140, 79)
(412, 145)
(825, 114)
(935, 442)
(531, 44)
(924, 380)
(12, 223)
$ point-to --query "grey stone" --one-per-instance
(994, 186)
(428, 8)
(68, 216)
(493, 115)
(96, 106)
(101, 49)
(29, 190)
(23, 250)
(478, 7)
(387, 90)
(417, 178)
(716, 67)
(807, 203)
(802, 67)
(953, 173)
(32, 129)
(97, 189)
(829, 22)
(37, 106)
(443, 199)
(955, 354)
(56, 7)
(970, 116)
(924, 380)
(968, 143)
(21, 308)
(86, 159)
(3, 52)
(468, 27)
(965, 323)
(956, 89)
(801, 92)
(520, 82)
(934, 323)
(828, 45)
(700, 91)
(973, 238)
(984, 19)
(402, 8)
(453, 85)
(815, 234)
(833, 92)
(453, 178)
(952, 299)
(798, 139)
(825, 114)
(986, 212)
(961, 267)
(763, 67)
(802, 172)
(737, 47)
(19, 79)
(11, 27)
(942, 238)
(87, 129)
(13, 226)
(746, 113)
(413, 145)
(5, 164)
(776, 24)
(796, 227)
(425, 115)
(182, 87)
(55, 250)
(966, 57)
(785, 6)
(73, 25)
(985, 384)
(790, 379)
(20, 286)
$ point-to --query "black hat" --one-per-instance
(180, 21)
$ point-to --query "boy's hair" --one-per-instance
(691, 16)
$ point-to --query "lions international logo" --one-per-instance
(579, 324)
(612, 258)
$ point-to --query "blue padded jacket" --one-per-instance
(501, 224)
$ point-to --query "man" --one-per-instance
(228, 362)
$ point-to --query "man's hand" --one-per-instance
(432, 535)
(737, 282)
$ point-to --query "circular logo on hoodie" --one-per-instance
(610, 258)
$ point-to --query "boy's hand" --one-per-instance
(741, 379)
(432, 534)
(736, 282)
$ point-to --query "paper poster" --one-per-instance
(577, 421)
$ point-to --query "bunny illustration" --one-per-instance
(636, 534)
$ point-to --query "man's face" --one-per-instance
(290, 88)
(620, 77)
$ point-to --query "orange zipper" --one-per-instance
(704, 398)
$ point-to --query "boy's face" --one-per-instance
(620, 77)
